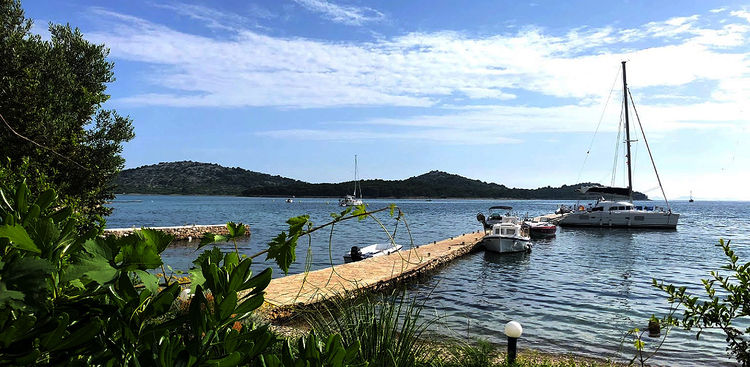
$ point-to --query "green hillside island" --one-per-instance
(195, 178)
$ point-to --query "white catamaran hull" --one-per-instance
(506, 244)
(626, 219)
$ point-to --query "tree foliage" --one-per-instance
(726, 305)
(52, 92)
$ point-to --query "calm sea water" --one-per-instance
(576, 293)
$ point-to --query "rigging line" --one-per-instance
(617, 151)
(648, 148)
(601, 117)
(40, 145)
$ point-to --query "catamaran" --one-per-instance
(353, 199)
(623, 213)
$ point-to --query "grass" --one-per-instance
(391, 331)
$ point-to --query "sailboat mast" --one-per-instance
(627, 131)
(356, 182)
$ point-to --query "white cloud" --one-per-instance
(345, 14)
(438, 69)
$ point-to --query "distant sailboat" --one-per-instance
(691, 197)
(353, 199)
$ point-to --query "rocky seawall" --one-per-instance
(189, 232)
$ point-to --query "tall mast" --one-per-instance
(627, 132)
(355, 176)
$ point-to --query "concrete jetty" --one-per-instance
(186, 232)
(288, 294)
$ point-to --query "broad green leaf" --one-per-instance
(258, 282)
(18, 238)
(227, 305)
(282, 250)
(150, 281)
(250, 304)
(233, 359)
(159, 239)
(138, 255)
(21, 193)
(84, 334)
(46, 199)
(236, 229)
(238, 275)
(209, 238)
(161, 303)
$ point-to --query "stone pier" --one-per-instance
(194, 232)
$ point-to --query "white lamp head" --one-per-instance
(513, 329)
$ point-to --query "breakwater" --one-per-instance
(287, 295)
(189, 232)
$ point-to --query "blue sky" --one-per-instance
(503, 91)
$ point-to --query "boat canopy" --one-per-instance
(501, 207)
(622, 191)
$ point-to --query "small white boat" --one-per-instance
(289, 200)
(378, 249)
(507, 237)
(350, 200)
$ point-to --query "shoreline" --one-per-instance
(425, 198)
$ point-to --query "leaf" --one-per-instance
(236, 229)
(150, 281)
(360, 212)
(46, 198)
(159, 239)
(209, 238)
(233, 359)
(138, 255)
(258, 282)
(21, 193)
(18, 238)
(227, 305)
(282, 250)
(391, 208)
(160, 304)
(250, 304)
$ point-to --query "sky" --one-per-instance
(521, 93)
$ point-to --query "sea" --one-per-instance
(579, 292)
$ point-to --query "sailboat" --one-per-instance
(353, 199)
(623, 213)
(691, 197)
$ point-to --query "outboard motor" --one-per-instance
(483, 220)
(356, 254)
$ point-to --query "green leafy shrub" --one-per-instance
(68, 299)
(727, 305)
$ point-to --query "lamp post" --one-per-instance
(513, 331)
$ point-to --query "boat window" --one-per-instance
(497, 231)
(597, 209)
(612, 208)
(638, 208)
(511, 232)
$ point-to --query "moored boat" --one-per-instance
(508, 236)
(541, 229)
(379, 249)
(353, 199)
(621, 213)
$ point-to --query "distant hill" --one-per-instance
(194, 178)
(434, 184)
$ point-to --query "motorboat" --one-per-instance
(290, 200)
(621, 213)
(354, 199)
(495, 216)
(541, 229)
(508, 236)
(379, 249)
